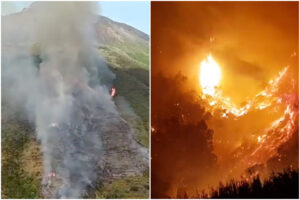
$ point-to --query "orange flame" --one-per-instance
(113, 92)
(262, 100)
(279, 131)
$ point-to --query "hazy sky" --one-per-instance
(136, 14)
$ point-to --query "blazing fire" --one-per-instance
(274, 134)
(210, 75)
(233, 114)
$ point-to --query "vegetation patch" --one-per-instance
(136, 187)
(16, 183)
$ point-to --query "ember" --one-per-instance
(113, 92)
(52, 174)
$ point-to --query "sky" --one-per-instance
(136, 14)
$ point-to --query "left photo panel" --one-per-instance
(75, 100)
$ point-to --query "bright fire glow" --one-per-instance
(269, 138)
(210, 75)
(262, 100)
(113, 92)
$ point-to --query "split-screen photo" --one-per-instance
(149, 99)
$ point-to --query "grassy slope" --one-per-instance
(130, 64)
(127, 188)
(132, 82)
(16, 183)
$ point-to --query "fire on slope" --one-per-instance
(262, 100)
(113, 91)
(279, 98)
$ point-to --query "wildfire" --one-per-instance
(51, 174)
(276, 133)
(210, 75)
(113, 92)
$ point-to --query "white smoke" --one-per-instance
(62, 92)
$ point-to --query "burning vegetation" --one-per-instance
(224, 112)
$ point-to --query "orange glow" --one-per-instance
(261, 101)
(224, 97)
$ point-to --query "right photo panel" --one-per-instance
(224, 99)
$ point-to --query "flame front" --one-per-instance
(217, 101)
(266, 140)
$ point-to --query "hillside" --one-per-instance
(118, 39)
(125, 51)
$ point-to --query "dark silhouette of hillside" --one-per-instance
(181, 147)
(281, 185)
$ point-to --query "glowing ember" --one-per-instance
(210, 75)
(51, 174)
(259, 139)
(113, 92)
